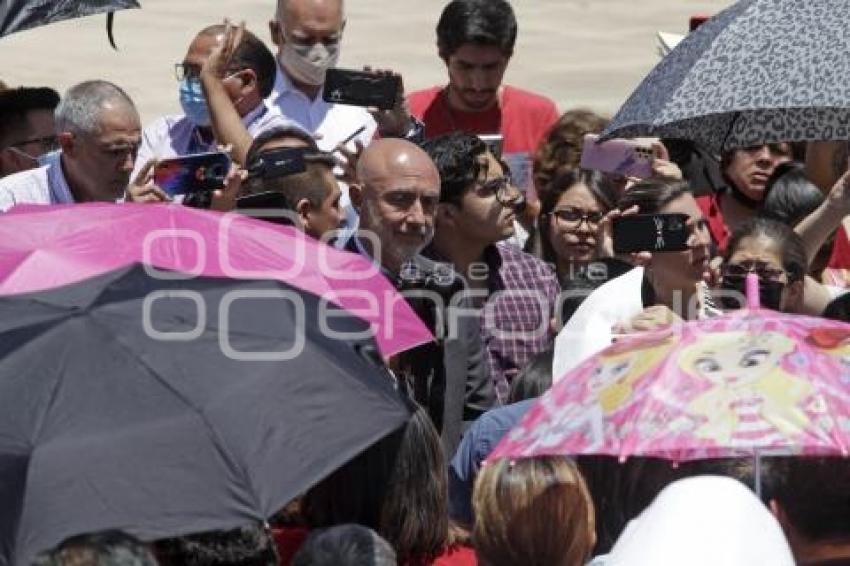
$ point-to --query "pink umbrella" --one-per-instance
(755, 382)
(42, 247)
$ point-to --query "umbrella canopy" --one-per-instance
(755, 382)
(43, 247)
(20, 15)
(761, 71)
(165, 407)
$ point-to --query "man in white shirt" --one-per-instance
(98, 131)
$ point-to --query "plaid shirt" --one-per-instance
(522, 293)
(515, 319)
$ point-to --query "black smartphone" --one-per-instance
(201, 172)
(359, 88)
(651, 233)
(280, 162)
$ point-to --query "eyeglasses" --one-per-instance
(573, 217)
(49, 143)
(760, 268)
(505, 193)
(183, 71)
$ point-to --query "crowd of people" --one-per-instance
(516, 232)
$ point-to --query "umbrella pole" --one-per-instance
(757, 472)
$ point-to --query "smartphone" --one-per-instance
(625, 157)
(651, 233)
(274, 163)
(201, 172)
(359, 88)
(494, 143)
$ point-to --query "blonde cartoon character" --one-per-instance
(608, 388)
(752, 400)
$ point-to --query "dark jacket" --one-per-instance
(448, 377)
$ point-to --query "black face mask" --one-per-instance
(770, 293)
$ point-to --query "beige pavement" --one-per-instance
(579, 52)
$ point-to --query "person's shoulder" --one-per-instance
(23, 179)
(530, 101)
(166, 122)
(422, 99)
(504, 417)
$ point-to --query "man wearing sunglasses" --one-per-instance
(27, 130)
(517, 293)
(98, 130)
(248, 80)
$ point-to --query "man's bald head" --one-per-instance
(397, 198)
(298, 8)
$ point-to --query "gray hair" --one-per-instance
(79, 110)
(281, 8)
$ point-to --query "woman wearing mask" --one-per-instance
(776, 254)
(670, 285)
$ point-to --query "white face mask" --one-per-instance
(308, 64)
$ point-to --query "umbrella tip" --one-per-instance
(752, 288)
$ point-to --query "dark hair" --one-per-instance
(598, 184)
(455, 156)
(311, 184)
(251, 53)
(651, 196)
(244, 546)
(791, 246)
(814, 493)
(345, 545)
(564, 143)
(16, 103)
(480, 22)
(789, 195)
(398, 486)
(534, 379)
(107, 548)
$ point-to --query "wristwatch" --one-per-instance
(416, 133)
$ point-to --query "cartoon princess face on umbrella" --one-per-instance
(751, 401)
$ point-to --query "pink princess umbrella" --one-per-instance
(755, 382)
(42, 247)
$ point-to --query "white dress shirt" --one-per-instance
(331, 123)
(43, 185)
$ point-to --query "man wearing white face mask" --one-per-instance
(249, 79)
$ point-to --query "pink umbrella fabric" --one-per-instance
(753, 382)
(43, 247)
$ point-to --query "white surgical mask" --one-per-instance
(308, 64)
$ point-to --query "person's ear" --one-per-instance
(303, 210)
(355, 194)
(274, 31)
(248, 78)
(446, 212)
(67, 143)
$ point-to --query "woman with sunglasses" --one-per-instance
(771, 250)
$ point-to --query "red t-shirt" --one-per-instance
(710, 207)
(523, 118)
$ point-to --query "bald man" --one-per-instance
(396, 196)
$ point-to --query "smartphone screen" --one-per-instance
(651, 233)
(192, 173)
(359, 88)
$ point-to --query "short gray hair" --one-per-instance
(79, 110)
(281, 8)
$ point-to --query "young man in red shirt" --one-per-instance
(476, 39)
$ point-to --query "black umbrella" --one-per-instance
(134, 403)
(761, 71)
(19, 15)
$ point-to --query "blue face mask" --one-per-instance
(193, 102)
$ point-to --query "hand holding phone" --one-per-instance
(624, 157)
(189, 174)
(651, 233)
(361, 88)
